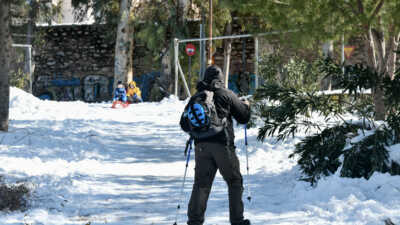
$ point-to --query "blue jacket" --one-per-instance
(120, 95)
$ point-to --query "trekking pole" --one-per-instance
(247, 163)
(188, 146)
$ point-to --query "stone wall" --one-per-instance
(74, 51)
(242, 56)
(70, 60)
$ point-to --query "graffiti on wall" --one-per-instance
(60, 89)
(96, 88)
(93, 88)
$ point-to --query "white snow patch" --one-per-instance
(90, 163)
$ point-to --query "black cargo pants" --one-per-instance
(209, 157)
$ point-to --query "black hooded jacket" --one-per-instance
(227, 104)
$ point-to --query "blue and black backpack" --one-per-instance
(200, 118)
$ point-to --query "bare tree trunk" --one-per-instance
(124, 43)
(129, 76)
(385, 58)
(381, 68)
(227, 52)
(327, 51)
(393, 58)
(380, 109)
(166, 69)
(5, 49)
(374, 61)
(370, 50)
(180, 21)
(184, 6)
(166, 78)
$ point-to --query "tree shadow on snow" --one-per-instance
(110, 141)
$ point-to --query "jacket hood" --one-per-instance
(213, 79)
(132, 83)
(213, 73)
(215, 84)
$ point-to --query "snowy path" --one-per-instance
(87, 162)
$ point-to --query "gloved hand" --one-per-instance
(188, 145)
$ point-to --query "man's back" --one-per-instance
(218, 152)
(228, 105)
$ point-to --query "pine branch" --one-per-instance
(289, 110)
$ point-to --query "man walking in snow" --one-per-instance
(218, 152)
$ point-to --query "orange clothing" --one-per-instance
(133, 89)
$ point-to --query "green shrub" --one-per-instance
(295, 73)
(287, 110)
(324, 153)
(320, 153)
(18, 77)
(368, 155)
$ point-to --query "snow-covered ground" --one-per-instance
(90, 163)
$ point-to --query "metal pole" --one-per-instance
(190, 73)
(201, 52)
(210, 34)
(21, 45)
(244, 61)
(247, 163)
(30, 69)
(188, 145)
(184, 80)
(176, 49)
(256, 61)
(29, 58)
(236, 36)
(29, 42)
(343, 53)
(202, 45)
(203, 55)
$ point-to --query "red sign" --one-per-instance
(190, 49)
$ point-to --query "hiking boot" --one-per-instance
(244, 222)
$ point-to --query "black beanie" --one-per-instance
(213, 73)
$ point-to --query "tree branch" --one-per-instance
(389, 51)
(390, 57)
(378, 7)
(378, 40)
(360, 6)
(352, 7)
(397, 38)
(279, 2)
(369, 39)
(344, 11)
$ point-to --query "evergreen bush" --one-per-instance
(320, 153)
(365, 157)
(357, 149)
(18, 77)
(296, 73)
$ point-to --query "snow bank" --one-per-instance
(23, 102)
(394, 153)
(90, 163)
